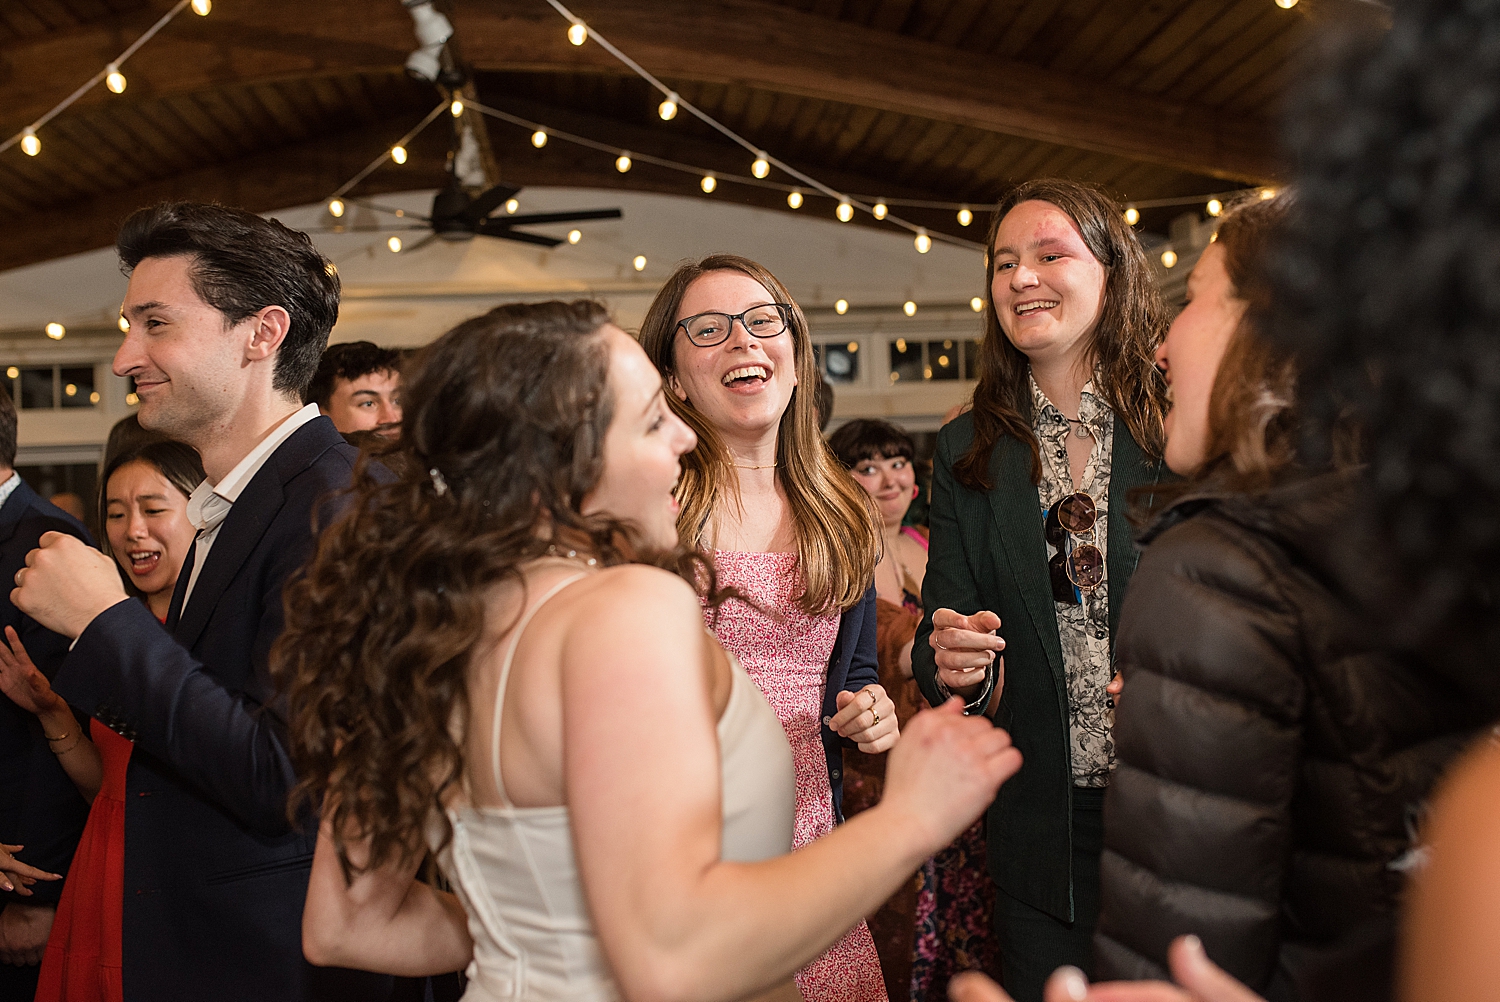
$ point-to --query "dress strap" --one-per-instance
(510, 656)
(911, 533)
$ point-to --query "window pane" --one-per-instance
(906, 361)
(942, 359)
(36, 389)
(78, 387)
(841, 362)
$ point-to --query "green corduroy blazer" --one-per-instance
(987, 551)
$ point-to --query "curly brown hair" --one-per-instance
(502, 439)
(1133, 323)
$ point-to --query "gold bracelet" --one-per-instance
(60, 737)
(64, 751)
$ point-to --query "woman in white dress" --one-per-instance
(488, 658)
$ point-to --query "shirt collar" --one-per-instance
(236, 480)
(1090, 407)
(9, 487)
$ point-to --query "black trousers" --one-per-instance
(1033, 943)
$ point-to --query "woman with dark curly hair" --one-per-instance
(488, 658)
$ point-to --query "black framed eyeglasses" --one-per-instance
(708, 329)
(1080, 565)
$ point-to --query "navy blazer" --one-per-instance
(40, 807)
(851, 667)
(215, 877)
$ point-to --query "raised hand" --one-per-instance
(946, 768)
(867, 717)
(66, 583)
(964, 646)
(27, 687)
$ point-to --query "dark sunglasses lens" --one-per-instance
(1052, 530)
(1086, 566)
(1077, 513)
(1062, 588)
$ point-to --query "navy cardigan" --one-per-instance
(851, 667)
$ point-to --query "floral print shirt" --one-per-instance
(1083, 628)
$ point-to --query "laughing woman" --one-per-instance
(788, 528)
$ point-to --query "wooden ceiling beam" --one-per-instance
(750, 43)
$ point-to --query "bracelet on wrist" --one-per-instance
(60, 737)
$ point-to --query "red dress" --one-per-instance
(82, 962)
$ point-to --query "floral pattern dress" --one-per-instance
(788, 660)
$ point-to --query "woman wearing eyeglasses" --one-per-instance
(1031, 551)
(791, 530)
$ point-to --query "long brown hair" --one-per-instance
(1252, 414)
(503, 435)
(1132, 324)
(838, 536)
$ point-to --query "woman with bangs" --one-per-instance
(1031, 550)
(791, 531)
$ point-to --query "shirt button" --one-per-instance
(1098, 634)
(1062, 453)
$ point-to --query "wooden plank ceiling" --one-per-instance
(272, 103)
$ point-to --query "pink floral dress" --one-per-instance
(788, 660)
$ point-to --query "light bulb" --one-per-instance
(1266, 194)
(457, 107)
(880, 210)
(398, 154)
(761, 167)
(114, 79)
(1286, 4)
(94, 397)
(70, 390)
(965, 217)
(336, 208)
(845, 212)
(708, 184)
(852, 347)
(622, 163)
(923, 243)
(394, 243)
(131, 399)
(56, 331)
(123, 324)
(12, 373)
(841, 307)
(202, 7)
(976, 304)
(909, 308)
(30, 144)
(1214, 207)
(1132, 215)
(1169, 258)
(511, 205)
(639, 264)
(574, 236)
(668, 108)
(539, 138)
(794, 199)
(578, 34)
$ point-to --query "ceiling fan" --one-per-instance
(457, 215)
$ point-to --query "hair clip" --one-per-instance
(438, 483)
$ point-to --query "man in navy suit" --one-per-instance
(39, 806)
(228, 316)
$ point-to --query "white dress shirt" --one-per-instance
(9, 487)
(209, 504)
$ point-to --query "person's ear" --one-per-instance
(268, 328)
(675, 386)
(916, 491)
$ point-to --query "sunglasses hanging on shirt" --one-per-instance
(1080, 565)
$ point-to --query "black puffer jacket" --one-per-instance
(1272, 755)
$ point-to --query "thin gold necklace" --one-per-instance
(768, 466)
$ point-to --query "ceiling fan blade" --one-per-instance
(429, 238)
(506, 233)
(398, 213)
(558, 217)
(488, 202)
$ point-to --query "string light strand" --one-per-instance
(97, 78)
(385, 154)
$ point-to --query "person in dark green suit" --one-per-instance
(1031, 549)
